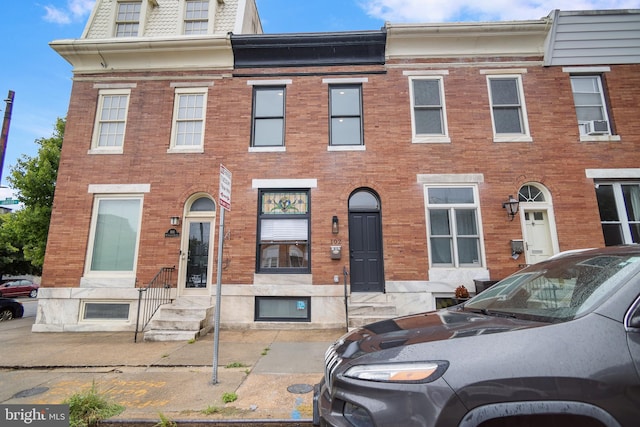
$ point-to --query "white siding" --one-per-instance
(595, 37)
(163, 20)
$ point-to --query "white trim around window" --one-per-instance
(114, 237)
(428, 108)
(189, 120)
(110, 122)
(511, 106)
(586, 86)
(454, 226)
(197, 21)
(130, 20)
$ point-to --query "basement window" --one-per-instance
(105, 311)
(283, 309)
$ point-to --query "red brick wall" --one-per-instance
(389, 166)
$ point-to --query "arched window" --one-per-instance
(364, 200)
(530, 193)
(203, 204)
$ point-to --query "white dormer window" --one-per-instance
(128, 18)
(196, 17)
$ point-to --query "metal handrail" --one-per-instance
(156, 293)
(346, 297)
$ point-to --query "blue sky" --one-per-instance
(41, 79)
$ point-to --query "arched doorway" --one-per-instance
(365, 242)
(196, 250)
(538, 222)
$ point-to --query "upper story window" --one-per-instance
(454, 235)
(428, 119)
(508, 110)
(189, 119)
(345, 104)
(111, 118)
(268, 116)
(128, 18)
(283, 230)
(196, 17)
(590, 103)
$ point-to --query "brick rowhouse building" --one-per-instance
(381, 159)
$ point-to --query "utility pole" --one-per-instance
(5, 128)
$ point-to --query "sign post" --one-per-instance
(224, 201)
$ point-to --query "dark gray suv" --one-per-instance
(556, 344)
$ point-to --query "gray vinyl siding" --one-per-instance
(596, 37)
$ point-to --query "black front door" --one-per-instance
(365, 242)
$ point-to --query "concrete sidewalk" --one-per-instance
(270, 371)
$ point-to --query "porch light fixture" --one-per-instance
(511, 206)
(175, 220)
(335, 226)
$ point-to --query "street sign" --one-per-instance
(225, 188)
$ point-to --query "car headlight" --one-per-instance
(398, 372)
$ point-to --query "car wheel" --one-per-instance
(6, 314)
(33, 293)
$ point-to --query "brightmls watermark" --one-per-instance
(34, 415)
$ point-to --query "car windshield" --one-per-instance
(557, 290)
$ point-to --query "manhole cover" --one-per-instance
(31, 392)
(300, 388)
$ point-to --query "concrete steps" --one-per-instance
(183, 320)
(365, 308)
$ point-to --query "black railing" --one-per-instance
(152, 296)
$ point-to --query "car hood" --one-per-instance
(423, 328)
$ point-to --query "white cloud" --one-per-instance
(57, 16)
(80, 8)
(75, 10)
(473, 10)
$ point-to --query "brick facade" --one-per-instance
(390, 164)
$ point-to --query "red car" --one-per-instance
(16, 288)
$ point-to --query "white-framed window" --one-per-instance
(268, 122)
(619, 206)
(345, 111)
(189, 113)
(453, 226)
(508, 108)
(111, 119)
(115, 234)
(591, 105)
(428, 110)
(196, 17)
(284, 219)
(128, 18)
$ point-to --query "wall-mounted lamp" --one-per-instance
(175, 220)
(511, 206)
(335, 226)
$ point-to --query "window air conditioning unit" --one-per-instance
(596, 127)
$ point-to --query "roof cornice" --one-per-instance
(146, 54)
(511, 38)
(309, 49)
